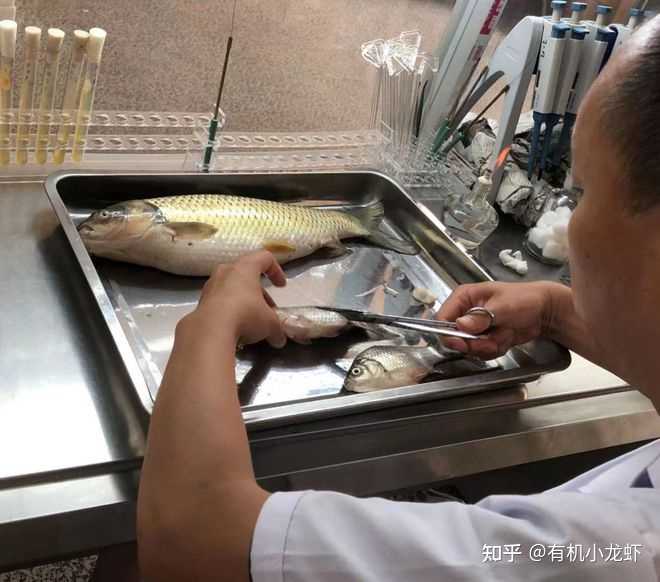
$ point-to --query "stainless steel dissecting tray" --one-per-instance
(142, 306)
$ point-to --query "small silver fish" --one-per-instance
(383, 367)
(304, 324)
(356, 349)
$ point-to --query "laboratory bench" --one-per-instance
(72, 433)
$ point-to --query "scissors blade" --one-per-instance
(437, 327)
(433, 329)
(370, 317)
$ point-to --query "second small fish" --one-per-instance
(383, 367)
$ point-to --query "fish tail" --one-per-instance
(371, 217)
(438, 355)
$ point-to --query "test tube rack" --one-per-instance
(244, 152)
(183, 138)
(108, 131)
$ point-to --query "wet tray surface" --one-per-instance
(142, 306)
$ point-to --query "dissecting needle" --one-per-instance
(47, 97)
(213, 126)
(95, 44)
(7, 53)
(72, 87)
(32, 39)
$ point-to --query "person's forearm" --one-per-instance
(198, 476)
(567, 328)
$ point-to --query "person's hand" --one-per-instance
(233, 297)
(522, 313)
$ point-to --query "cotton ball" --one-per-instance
(564, 212)
(513, 261)
(521, 267)
(554, 250)
(563, 222)
(547, 219)
(540, 236)
(560, 234)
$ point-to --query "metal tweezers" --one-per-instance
(438, 327)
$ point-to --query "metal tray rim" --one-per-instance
(310, 409)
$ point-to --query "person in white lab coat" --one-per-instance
(202, 516)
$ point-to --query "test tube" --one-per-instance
(47, 97)
(7, 52)
(26, 92)
(71, 97)
(94, 51)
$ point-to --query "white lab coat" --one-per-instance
(607, 525)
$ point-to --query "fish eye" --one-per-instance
(104, 214)
(356, 372)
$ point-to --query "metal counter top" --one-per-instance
(71, 435)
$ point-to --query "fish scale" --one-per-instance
(240, 219)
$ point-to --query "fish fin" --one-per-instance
(371, 217)
(398, 245)
(191, 230)
(279, 246)
(334, 249)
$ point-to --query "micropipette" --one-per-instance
(557, 10)
(572, 56)
(636, 17)
(550, 58)
(47, 98)
(32, 38)
(603, 13)
(591, 59)
(577, 8)
(7, 52)
(213, 126)
(72, 87)
(95, 44)
(624, 31)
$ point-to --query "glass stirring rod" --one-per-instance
(7, 53)
(95, 44)
(72, 87)
(31, 41)
(47, 97)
